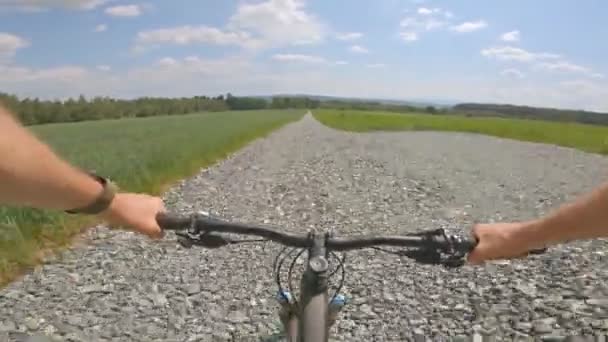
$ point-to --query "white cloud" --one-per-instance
(469, 26)
(578, 86)
(341, 63)
(409, 36)
(543, 61)
(168, 62)
(124, 11)
(278, 22)
(55, 74)
(185, 35)
(101, 28)
(568, 67)
(170, 67)
(358, 49)
(510, 53)
(428, 11)
(192, 59)
(349, 36)
(576, 94)
(512, 73)
(585, 94)
(426, 24)
(272, 23)
(66, 73)
(38, 5)
(562, 66)
(103, 67)
(224, 66)
(511, 36)
(187, 76)
(424, 11)
(425, 20)
(298, 58)
(9, 44)
(376, 65)
(195, 76)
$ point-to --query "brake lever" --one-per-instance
(422, 256)
(434, 257)
(206, 240)
(455, 255)
(448, 257)
(184, 240)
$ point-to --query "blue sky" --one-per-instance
(547, 53)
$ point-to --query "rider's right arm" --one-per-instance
(584, 218)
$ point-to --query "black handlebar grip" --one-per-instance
(172, 222)
(467, 244)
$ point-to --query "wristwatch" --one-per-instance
(103, 200)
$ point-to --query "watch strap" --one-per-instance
(103, 200)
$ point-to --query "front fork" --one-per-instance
(288, 315)
(301, 320)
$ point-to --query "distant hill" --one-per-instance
(325, 98)
(453, 108)
(527, 112)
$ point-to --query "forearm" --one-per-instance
(585, 218)
(31, 174)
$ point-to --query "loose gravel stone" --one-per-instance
(31, 324)
(119, 286)
(193, 289)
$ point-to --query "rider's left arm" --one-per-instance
(31, 174)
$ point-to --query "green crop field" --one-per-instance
(588, 138)
(142, 155)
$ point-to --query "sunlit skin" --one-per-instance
(585, 218)
(32, 175)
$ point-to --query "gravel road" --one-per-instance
(116, 286)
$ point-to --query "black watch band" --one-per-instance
(103, 200)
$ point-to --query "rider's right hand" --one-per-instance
(500, 241)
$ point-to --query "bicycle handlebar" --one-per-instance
(430, 240)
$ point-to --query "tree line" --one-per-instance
(379, 106)
(527, 112)
(33, 111)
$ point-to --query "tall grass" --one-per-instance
(141, 155)
(588, 138)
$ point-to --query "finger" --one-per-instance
(157, 233)
(475, 230)
(475, 258)
(161, 205)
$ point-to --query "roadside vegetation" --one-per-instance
(588, 138)
(142, 155)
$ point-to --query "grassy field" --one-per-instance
(587, 138)
(141, 155)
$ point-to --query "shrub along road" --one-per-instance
(119, 286)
